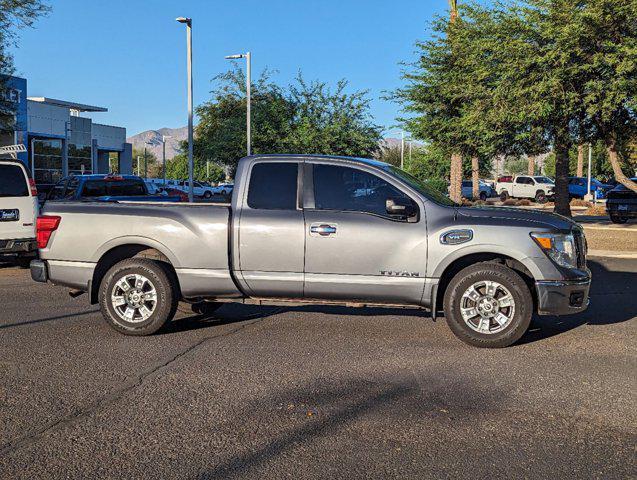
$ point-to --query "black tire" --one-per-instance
(207, 194)
(540, 197)
(512, 281)
(615, 218)
(483, 196)
(166, 294)
(206, 308)
(504, 196)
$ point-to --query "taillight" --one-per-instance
(34, 190)
(45, 225)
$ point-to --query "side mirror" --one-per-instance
(401, 207)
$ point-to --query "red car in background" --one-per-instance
(174, 192)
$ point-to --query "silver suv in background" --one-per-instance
(18, 209)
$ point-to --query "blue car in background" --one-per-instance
(485, 190)
(578, 187)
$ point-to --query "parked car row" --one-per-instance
(200, 189)
(485, 190)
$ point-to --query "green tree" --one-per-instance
(14, 15)
(146, 165)
(220, 135)
(302, 118)
(177, 168)
(332, 123)
(607, 33)
(523, 77)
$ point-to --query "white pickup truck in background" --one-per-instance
(538, 188)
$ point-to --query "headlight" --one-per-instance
(560, 247)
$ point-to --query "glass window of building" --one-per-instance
(80, 159)
(47, 161)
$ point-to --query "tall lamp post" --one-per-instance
(163, 144)
(191, 164)
(248, 88)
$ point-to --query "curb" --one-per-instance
(592, 226)
(612, 254)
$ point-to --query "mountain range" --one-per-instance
(152, 139)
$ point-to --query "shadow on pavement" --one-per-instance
(603, 308)
(235, 313)
(308, 413)
(48, 319)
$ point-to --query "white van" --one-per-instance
(18, 209)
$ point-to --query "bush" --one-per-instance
(510, 202)
(577, 202)
(596, 210)
(523, 203)
(439, 184)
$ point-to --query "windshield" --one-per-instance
(543, 180)
(420, 186)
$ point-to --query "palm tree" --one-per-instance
(455, 172)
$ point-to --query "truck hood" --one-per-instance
(533, 218)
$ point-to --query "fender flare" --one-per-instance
(486, 248)
(139, 240)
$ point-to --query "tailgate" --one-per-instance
(17, 207)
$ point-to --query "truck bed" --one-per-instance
(194, 238)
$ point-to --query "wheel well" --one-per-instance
(454, 267)
(539, 191)
(122, 252)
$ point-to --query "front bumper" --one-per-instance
(18, 245)
(562, 297)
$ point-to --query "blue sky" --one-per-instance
(129, 56)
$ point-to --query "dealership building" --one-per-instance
(58, 141)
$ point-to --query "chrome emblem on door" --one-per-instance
(455, 237)
(399, 273)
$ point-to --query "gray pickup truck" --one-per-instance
(305, 229)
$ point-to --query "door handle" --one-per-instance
(323, 229)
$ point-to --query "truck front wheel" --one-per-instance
(137, 296)
(488, 305)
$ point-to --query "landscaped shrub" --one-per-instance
(596, 210)
(523, 203)
(510, 202)
(578, 202)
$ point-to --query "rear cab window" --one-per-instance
(273, 186)
(113, 188)
(13, 182)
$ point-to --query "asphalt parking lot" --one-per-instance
(315, 392)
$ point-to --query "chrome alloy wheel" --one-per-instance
(134, 298)
(487, 307)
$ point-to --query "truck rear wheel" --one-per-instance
(540, 196)
(504, 196)
(137, 296)
(488, 305)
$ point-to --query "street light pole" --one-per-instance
(248, 58)
(163, 143)
(590, 154)
(191, 164)
(402, 149)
